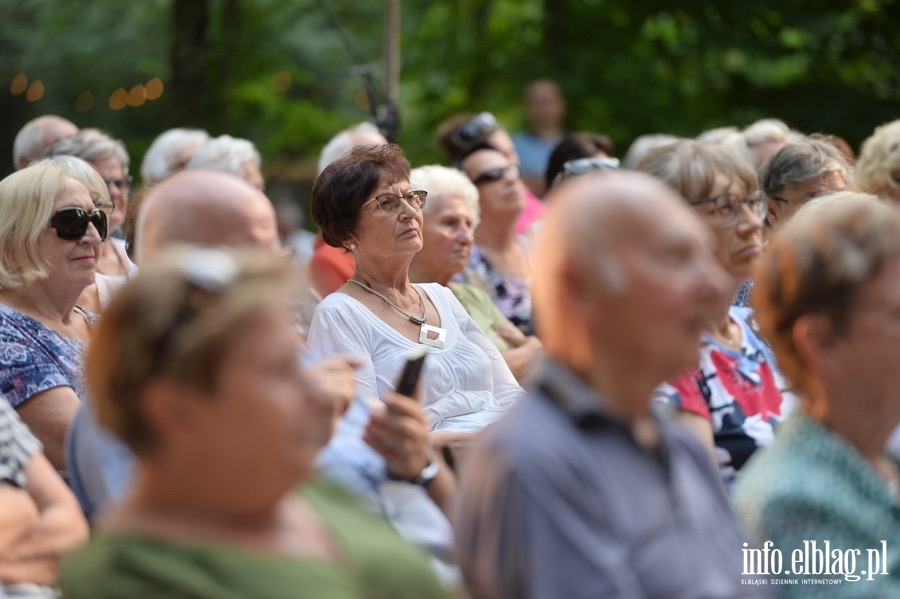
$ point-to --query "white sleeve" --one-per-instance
(336, 330)
(505, 387)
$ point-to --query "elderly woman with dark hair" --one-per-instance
(364, 203)
(802, 170)
(50, 239)
(827, 297)
(195, 367)
(735, 396)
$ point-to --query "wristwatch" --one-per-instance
(427, 476)
(428, 473)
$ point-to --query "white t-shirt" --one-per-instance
(465, 385)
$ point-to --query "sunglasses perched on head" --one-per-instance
(475, 129)
(71, 224)
(582, 166)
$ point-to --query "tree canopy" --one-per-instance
(287, 74)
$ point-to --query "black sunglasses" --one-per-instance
(495, 174)
(71, 224)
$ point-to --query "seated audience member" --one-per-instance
(39, 518)
(581, 491)
(643, 145)
(201, 207)
(364, 202)
(577, 147)
(111, 160)
(802, 170)
(229, 155)
(545, 109)
(449, 218)
(218, 209)
(330, 267)
(734, 396)
(758, 141)
(33, 140)
(827, 299)
(459, 135)
(169, 154)
(50, 237)
(878, 165)
(194, 365)
(498, 263)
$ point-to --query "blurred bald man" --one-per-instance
(207, 208)
(196, 207)
(37, 135)
(612, 501)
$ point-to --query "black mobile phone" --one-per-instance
(406, 384)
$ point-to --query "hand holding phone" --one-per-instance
(409, 378)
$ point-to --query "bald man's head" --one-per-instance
(625, 268)
(204, 207)
(37, 135)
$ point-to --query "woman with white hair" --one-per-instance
(450, 218)
(169, 153)
(230, 155)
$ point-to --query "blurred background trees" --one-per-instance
(287, 74)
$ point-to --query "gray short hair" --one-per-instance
(446, 182)
(879, 162)
(92, 145)
(159, 160)
(346, 140)
(225, 154)
(29, 141)
(799, 161)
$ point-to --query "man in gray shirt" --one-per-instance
(582, 491)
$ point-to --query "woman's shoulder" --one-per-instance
(125, 565)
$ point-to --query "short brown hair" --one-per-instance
(690, 168)
(817, 263)
(347, 183)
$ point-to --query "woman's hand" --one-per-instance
(331, 386)
(399, 432)
(511, 334)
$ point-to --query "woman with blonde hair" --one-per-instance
(195, 366)
(50, 238)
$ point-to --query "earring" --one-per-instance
(352, 247)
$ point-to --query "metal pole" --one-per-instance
(392, 66)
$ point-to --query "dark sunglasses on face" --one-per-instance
(495, 174)
(71, 224)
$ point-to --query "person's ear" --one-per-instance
(172, 409)
(817, 343)
(771, 213)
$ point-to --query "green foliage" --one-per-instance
(285, 73)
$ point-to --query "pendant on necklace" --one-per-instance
(433, 336)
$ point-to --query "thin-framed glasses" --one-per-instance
(727, 208)
(581, 166)
(71, 224)
(390, 203)
(495, 174)
(122, 184)
(207, 270)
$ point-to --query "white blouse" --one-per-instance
(464, 386)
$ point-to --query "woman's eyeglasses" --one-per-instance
(390, 203)
(727, 208)
(123, 184)
(71, 224)
(495, 174)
